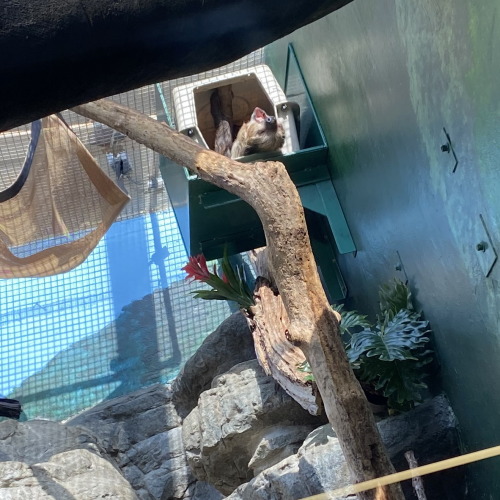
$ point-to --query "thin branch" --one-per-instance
(417, 481)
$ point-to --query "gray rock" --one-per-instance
(245, 425)
(228, 428)
(141, 432)
(124, 421)
(158, 465)
(38, 440)
(230, 344)
(43, 459)
(430, 430)
(318, 466)
(200, 490)
(75, 474)
(136, 479)
(155, 451)
(165, 485)
(277, 443)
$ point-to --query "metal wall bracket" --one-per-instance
(322, 198)
(485, 252)
(400, 268)
(447, 147)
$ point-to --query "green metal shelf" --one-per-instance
(211, 219)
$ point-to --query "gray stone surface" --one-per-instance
(230, 424)
(277, 443)
(430, 430)
(245, 429)
(231, 343)
(318, 466)
(158, 465)
(200, 490)
(123, 422)
(38, 440)
(141, 432)
(71, 475)
(42, 459)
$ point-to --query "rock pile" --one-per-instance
(222, 430)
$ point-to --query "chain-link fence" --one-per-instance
(124, 318)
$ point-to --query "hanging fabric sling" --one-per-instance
(59, 207)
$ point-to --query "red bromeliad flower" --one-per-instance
(197, 268)
(229, 285)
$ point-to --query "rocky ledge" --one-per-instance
(223, 429)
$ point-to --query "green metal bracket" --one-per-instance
(319, 196)
(211, 219)
(322, 198)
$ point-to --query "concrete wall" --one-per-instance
(385, 78)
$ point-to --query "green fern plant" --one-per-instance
(393, 297)
(390, 355)
(352, 321)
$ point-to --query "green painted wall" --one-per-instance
(385, 78)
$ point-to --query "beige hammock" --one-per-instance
(59, 207)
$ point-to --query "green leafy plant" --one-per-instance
(306, 367)
(352, 321)
(393, 297)
(230, 285)
(389, 357)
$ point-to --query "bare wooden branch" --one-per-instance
(417, 482)
(267, 187)
(259, 260)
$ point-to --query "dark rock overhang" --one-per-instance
(56, 54)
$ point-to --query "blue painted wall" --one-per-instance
(385, 78)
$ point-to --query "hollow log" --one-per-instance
(278, 356)
(314, 327)
(269, 324)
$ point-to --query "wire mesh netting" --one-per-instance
(124, 318)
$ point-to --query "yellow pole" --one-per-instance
(408, 474)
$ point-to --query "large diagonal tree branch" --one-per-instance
(267, 187)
